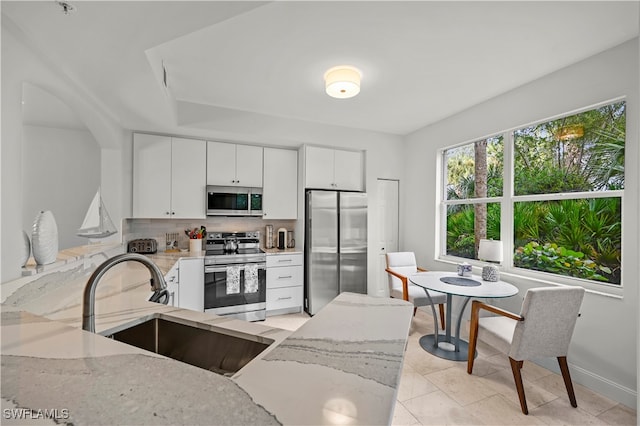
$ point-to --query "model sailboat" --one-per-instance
(97, 223)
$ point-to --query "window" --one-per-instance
(562, 214)
(473, 182)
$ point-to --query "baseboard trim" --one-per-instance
(596, 383)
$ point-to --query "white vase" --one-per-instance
(44, 238)
(26, 249)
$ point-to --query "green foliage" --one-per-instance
(559, 260)
(584, 152)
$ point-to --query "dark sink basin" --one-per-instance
(205, 348)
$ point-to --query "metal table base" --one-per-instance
(444, 349)
(447, 346)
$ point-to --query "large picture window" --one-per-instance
(559, 197)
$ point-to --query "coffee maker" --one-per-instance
(282, 239)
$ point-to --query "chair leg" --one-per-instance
(564, 368)
(415, 309)
(517, 377)
(473, 340)
(441, 307)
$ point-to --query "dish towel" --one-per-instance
(233, 279)
(251, 278)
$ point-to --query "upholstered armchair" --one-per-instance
(542, 329)
(399, 266)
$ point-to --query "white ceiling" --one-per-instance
(421, 60)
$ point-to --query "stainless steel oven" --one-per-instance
(235, 276)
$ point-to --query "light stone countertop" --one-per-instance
(342, 365)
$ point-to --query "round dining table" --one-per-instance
(448, 346)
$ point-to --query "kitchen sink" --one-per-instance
(214, 350)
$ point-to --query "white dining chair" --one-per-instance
(399, 266)
(542, 329)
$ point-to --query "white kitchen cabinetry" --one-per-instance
(280, 190)
(191, 282)
(327, 168)
(172, 285)
(185, 282)
(284, 283)
(169, 176)
(230, 164)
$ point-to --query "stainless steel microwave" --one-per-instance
(234, 201)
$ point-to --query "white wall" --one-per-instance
(21, 62)
(54, 179)
(603, 352)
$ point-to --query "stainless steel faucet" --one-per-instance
(88, 302)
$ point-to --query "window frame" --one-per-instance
(507, 201)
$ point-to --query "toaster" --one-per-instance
(143, 245)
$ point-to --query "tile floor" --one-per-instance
(434, 391)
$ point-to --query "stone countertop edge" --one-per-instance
(346, 360)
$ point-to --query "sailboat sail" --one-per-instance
(97, 223)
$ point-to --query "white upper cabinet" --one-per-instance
(327, 168)
(169, 177)
(280, 190)
(230, 164)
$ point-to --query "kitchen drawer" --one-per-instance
(275, 260)
(283, 298)
(286, 276)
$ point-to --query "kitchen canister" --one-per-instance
(268, 237)
(490, 273)
(44, 238)
(464, 269)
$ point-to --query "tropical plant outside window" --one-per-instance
(566, 207)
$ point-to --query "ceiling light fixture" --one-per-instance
(342, 82)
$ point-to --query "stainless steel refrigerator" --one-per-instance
(335, 250)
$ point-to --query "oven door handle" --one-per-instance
(211, 269)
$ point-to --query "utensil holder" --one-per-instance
(195, 245)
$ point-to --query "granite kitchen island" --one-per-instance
(342, 366)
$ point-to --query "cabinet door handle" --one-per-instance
(285, 298)
(283, 277)
(284, 260)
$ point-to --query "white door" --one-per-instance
(388, 222)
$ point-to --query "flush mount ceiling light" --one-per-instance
(342, 82)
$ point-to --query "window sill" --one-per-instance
(515, 275)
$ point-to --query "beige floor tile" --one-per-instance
(287, 322)
(496, 410)
(619, 415)
(588, 400)
(413, 384)
(402, 416)
(437, 408)
(483, 366)
(460, 386)
(532, 371)
(559, 412)
(503, 383)
(423, 362)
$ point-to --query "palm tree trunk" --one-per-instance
(480, 221)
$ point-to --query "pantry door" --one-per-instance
(388, 222)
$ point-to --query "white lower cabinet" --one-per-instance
(185, 282)
(172, 286)
(284, 283)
